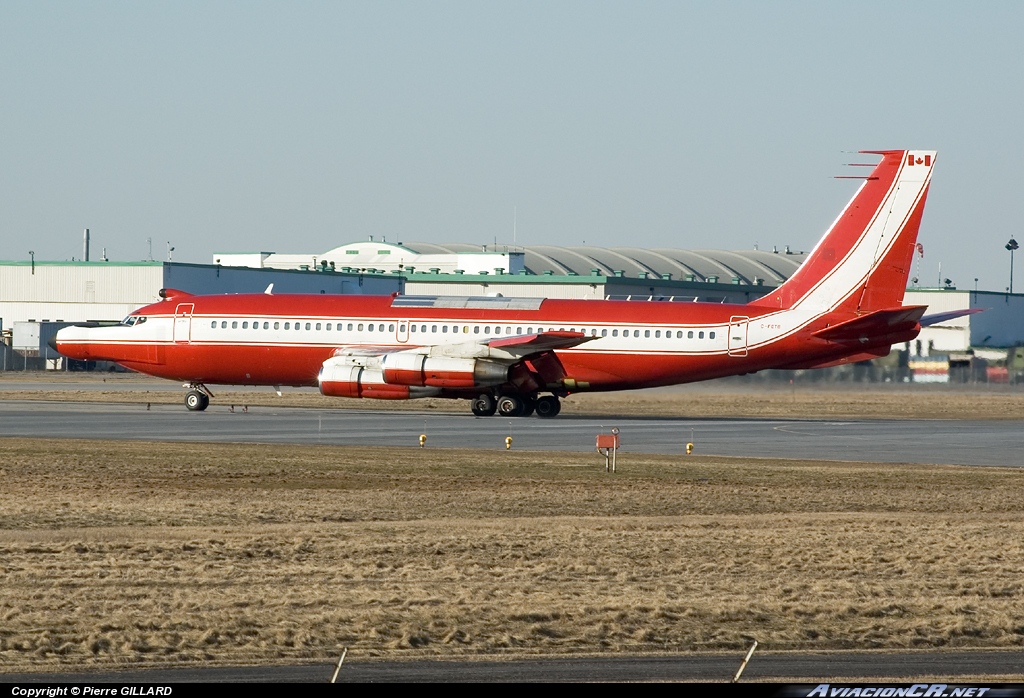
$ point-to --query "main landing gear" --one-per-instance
(197, 398)
(548, 406)
(485, 405)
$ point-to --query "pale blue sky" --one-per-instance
(298, 126)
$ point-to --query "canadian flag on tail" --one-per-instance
(918, 160)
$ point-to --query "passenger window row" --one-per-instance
(453, 329)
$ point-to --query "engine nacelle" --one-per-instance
(441, 372)
(340, 378)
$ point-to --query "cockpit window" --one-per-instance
(133, 320)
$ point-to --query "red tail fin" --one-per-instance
(863, 261)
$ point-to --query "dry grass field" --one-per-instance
(135, 553)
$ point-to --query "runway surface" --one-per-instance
(976, 442)
(810, 668)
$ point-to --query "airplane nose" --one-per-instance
(52, 343)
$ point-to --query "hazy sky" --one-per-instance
(299, 126)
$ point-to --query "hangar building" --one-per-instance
(999, 324)
(549, 271)
(81, 291)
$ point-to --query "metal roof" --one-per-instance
(746, 266)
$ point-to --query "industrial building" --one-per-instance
(83, 291)
(50, 295)
(548, 271)
(998, 324)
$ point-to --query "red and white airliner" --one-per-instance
(518, 356)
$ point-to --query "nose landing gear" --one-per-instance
(197, 398)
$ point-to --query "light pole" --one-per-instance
(1011, 246)
(32, 254)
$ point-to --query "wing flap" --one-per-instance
(364, 350)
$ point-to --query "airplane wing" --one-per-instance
(526, 344)
(526, 361)
(507, 349)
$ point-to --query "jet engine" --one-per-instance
(405, 376)
(339, 377)
(441, 372)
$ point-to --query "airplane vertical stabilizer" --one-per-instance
(863, 261)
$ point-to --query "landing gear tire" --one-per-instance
(484, 405)
(548, 406)
(196, 401)
(528, 406)
(510, 406)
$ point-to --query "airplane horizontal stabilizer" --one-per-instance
(936, 318)
(874, 325)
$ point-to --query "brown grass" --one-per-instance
(154, 553)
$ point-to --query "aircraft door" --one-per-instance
(183, 323)
(402, 331)
(738, 325)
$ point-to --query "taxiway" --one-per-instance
(958, 442)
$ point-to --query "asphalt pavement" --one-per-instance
(960, 442)
(810, 668)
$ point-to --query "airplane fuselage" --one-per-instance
(260, 339)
